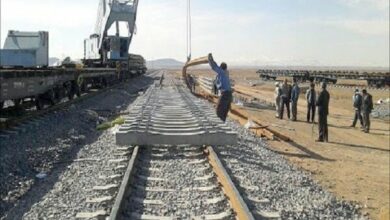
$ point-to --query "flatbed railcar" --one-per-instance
(374, 79)
(50, 85)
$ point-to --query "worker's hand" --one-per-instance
(210, 56)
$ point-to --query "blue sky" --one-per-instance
(247, 32)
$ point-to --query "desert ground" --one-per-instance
(353, 165)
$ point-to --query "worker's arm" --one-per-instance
(213, 64)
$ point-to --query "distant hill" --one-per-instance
(164, 64)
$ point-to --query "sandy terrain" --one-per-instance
(354, 165)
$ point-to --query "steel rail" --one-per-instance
(124, 188)
(236, 201)
(232, 194)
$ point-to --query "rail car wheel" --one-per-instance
(39, 102)
(70, 92)
(104, 83)
(17, 102)
(52, 97)
(70, 95)
(77, 91)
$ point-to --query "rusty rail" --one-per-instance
(236, 201)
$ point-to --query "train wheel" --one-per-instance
(39, 103)
(52, 97)
(78, 92)
(83, 87)
(104, 83)
(70, 95)
(70, 91)
(17, 102)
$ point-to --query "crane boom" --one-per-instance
(104, 48)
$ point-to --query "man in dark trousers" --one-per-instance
(215, 89)
(357, 104)
(294, 99)
(285, 99)
(323, 111)
(367, 107)
(311, 98)
(191, 83)
(223, 84)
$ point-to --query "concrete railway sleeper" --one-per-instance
(165, 178)
(176, 182)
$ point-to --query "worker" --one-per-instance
(323, 111)
(223, 85)
(277, 95)
(295, 91)
(357, 100)
(191, 83)
(367, 107)
(311, 97)
(285, 99)
(161, 80)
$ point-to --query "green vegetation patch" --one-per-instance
(107, 125)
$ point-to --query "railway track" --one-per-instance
(13, 124)
(178, 183)
(170, 181)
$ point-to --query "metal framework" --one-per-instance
(101, 46)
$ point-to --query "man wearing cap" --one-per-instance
(357, 104)
(367, 107)
(223, 84)
(277, 94)
(323, 111)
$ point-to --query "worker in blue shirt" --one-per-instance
(223, 85)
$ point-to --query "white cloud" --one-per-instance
(239, 37)
(368, 27)
(160, 30)
(68, 23)
(50, 13)
(375, 4)
(376, 27)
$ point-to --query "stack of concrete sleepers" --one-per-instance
(173, 116)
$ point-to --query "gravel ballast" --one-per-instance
(181, 172)
(68, 154)
(47, 171)
(271, 184)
